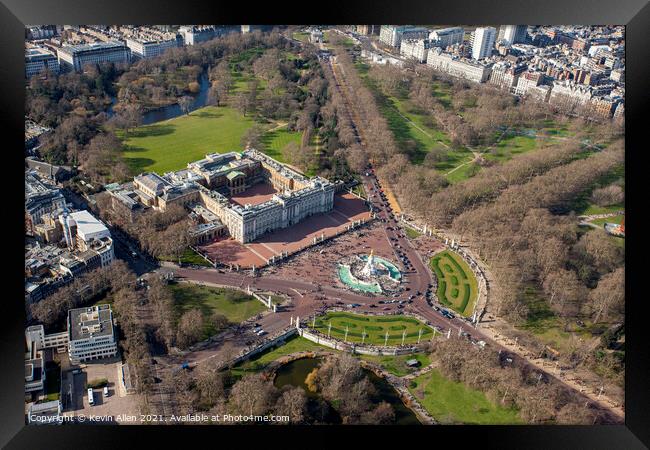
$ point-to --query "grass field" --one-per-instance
(375, 328)
(452, 402)
(457, 285)
(275, 141)
(615, 219)
(170, 145)
(411, 233)
(235, 305)
(189, 257)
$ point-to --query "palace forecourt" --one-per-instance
(248, 209)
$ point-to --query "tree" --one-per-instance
(356, 158)
(293, 403)
(190, 328)
(215, 94)
(184, 103)
(219, 321)
(210, 383)
(609, 195)
(609, 296)
(253, 138)
(252, 395)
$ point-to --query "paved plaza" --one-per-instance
(347, 209)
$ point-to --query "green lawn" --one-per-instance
(235, 305)
(170, 145)
(411, 233)
(593, 209)
(457, 285)
(397, 364)
(453, 402)
(275, 141)
(510, 146)
(189, 257)
(615, 219)
(375, 328)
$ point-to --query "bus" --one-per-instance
(91, 400)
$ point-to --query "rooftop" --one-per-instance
(90, 322)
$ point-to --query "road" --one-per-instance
(308, 298)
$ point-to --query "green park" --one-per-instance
(360, 328)
(457, 285)
(235, 305)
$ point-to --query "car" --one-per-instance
(401, 302)
(339, 303)
(261, 333)
(134, 254)
(400, 306)
(386, 308)
(407, 289)
(410, 301)
(373, 306)
(381, 302)
(156, 380)
(411, 297)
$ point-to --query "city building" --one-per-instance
(45, 413)
(195, 34)
(417, 49)
(367, 30)
(75, 57)
(484, 39)
(445, 37)
(316, 36)
(567, 95)
(512, 34)
(91, 334)
(38, 59)
(505, 75)
(40, 199)
(89, 234)
(147, 47)
(392, 35)
(528, 80)
(470, 70)
(210, 182)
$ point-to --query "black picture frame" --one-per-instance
(635, 14)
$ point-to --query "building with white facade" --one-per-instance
(445, 37)
(568, 95)
(92, 236)
(470, 70)
(417, 49)
(75, 57)
(484, 39)
(211, 181)
(512, 34)
(195, 34)
(91, 334)
(505, 75)
(528, 80)
(142, 47)
(38, 59)
(392, 35)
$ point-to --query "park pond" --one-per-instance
(174, 110)
(295, 372)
